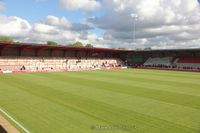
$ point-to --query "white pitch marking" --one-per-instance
(1, 110)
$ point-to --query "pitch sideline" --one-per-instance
(11, 118)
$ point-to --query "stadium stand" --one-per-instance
(170, 62)
(94, 63)
(24, 57)
(174, 59)
(31, 63)
(56, 64)
(159, 62)
(187, 62)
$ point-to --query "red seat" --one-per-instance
(189, 60)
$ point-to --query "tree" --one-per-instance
(122, 48)
(52, 43)
(142, 49)
(89, 45)
(5, 39)
(148, 48)
(76, 44)
(138, 49)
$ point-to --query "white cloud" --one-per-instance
(159, 22)
(51, 28)
(88, 5)
(43, 28)
(13, 26)
(57, 29)
(148, 8)
(60, 22)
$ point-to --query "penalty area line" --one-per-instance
(11, 118)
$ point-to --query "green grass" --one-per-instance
(148, 101)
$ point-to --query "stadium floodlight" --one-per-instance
(135, 17)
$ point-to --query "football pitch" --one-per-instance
(103, 101)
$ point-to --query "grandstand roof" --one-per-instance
(170, 51)
(57, 47)
(72, 48)
(160, 50)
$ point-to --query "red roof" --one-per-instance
(57, 47)
(72, 48)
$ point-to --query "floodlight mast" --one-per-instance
(135, 17)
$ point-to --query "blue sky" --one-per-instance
(37, 10)
(104, 23)
(34, 10)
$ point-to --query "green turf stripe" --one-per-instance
(153, 105)
(152, 76)
(160, 84)
(144, 90)
(35, 111)
(98, 98)
(86, 105)
(181, 74)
